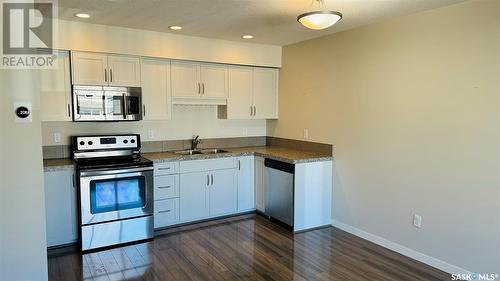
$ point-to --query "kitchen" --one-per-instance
(221, 152)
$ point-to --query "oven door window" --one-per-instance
(117, 194)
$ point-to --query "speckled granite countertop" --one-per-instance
(273, 152)
(50, 165)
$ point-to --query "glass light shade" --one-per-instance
(319, 20)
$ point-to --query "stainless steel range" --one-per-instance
(115, 190)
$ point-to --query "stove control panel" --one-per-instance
(107, 142)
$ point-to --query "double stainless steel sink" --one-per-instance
(200, 151)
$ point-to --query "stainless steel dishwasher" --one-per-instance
(278, 190)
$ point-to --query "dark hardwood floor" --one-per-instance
(251, 248)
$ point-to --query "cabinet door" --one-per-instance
(240, 93)
(193, 200)
(246, 183)
(55, 89)
(222, 192)
(124, 71)
(213, 79)
(265, 93)
(156, 97)
(259, 183)
(60, 208)
(185, 79)
(89, 68)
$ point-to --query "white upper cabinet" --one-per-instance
(105, 70)
(89, 68)
(253, 94)
(185, 79)
(124, 71)
(213, 81)
(55, 89)
(240, 100)
(199, 83)
(155, 83)
(265, 93)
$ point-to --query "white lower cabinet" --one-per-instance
(193, 203)
(222, 192)
(259, 183)
(60, 208)
(207, 194)
(194, 190)
(246, 183)
(166, 212)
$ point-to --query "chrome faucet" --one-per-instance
(195, 142)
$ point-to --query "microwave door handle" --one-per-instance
(125, 106)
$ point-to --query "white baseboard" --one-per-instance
(434, 262)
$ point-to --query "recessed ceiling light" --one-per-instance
(175, 27)
(82, 15)
(247, 36)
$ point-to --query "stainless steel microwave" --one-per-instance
(101, 103)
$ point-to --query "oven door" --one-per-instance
(111, 195)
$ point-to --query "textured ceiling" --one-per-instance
(270, 21)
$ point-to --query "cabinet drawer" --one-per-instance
(166, 212)
(166, 168)
(207, 165)
(166, 187)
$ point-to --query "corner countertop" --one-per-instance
(288, 155)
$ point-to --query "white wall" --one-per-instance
(187, 120)
(23, 253)
(412, 107)
(101, 38)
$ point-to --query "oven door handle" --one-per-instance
(113, 171)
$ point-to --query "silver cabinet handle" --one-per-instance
(254, 110)
(212, 179)
(111, 75)
(208, 180)
(165, 168)
(251, 111)
(143, 110)
(105, 75)
(164, 211)
(162, 187)
(199, 88)
(239, 164)
(69, 110)
(203, 88)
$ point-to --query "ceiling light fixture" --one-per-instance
(318, 20)
(175, 27)
(247, 36)
(82, 15)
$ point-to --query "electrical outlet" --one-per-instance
(57, 137)
(245, 132)
(151, 134)
(306, 134)
(417, 221)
